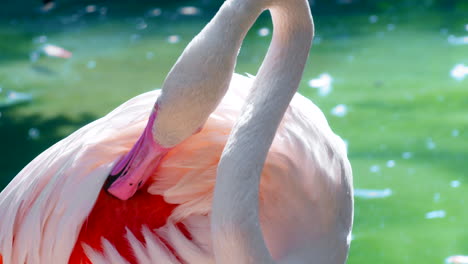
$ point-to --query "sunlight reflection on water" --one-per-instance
(391, 163)
(173, 39)
(407, 155)
(91, 8)
(454, 40)
(435, 214)
(457, 259)
(11, 98)
(34, 133)
(323, 83)
(373, 19)
(455, 184)
(340, 110)
(430, 144)
(189, 10)
(459, 72)
(155, 12)
(372, 194)
(374, 168)
(263, 32)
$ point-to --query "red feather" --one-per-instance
(109, 218)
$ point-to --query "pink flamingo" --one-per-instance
(207, 181)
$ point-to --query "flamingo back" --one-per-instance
(54, 211)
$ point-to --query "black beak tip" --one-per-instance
(110, 180)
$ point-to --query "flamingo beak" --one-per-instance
(131, 173)
(133, 170)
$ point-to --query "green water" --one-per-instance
(406, 122)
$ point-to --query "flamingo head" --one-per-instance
(133, 170)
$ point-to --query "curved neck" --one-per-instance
(202, 74)
(237, 237)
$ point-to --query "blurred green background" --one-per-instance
(389, 76)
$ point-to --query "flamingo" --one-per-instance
(223, 168)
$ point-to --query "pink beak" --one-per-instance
(133, 170)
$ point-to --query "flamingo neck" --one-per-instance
(202, 74)
(236, 232)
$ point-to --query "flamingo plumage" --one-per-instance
(222, 169)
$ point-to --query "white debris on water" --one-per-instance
(374, 168)
(141, 25)
(149, 55)
(430, 144)
(436, 197)
(263, 32)
(91, 64)
(154, 12)
(373, 19)
(459, 72)
(340, 110)
(455, 133)
(454, 40)
(173, 39)
(56, 51)
(407, 155)
(15, 96)
(457, 259)
(10, 98)
(323, 83)
(91, 8)
(455, 184)
(391, 163)
(189, 10)
(435, 214)
(34, 133)
(47, 7)
(372, 194)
